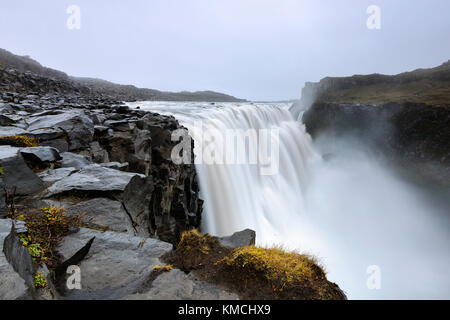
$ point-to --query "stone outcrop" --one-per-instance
(18, 178)
(177, 285)
(115, 265)
(238, 239)
(12, 286)
(406, 117)
(22, 262)
(93, 146)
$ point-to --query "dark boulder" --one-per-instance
(239, 239)
(76, 126)
(19, 179)
(41, 154)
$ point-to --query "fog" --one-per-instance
(253, 49)
(365, 215)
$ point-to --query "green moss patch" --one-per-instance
(46, 228)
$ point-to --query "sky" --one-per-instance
(252, 49)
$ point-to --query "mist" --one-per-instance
(252, 49)
(364, 214)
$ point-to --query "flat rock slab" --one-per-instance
(41, 154)
(92, 178)
(53, 175)
(176, 285)
(115, 265)
(103, 213)
(8, 152)
(11, 131)
(78, 127)
(12, 286)
(75, 160)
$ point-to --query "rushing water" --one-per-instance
(349, 211)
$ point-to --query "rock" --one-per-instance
(137, 198)
(98, 154)
(12, 286)
(2, 199)
(176, 285)
(59, 144)
(116, 264)
(413, 137)
(21, 261)
(17, 176)
(116, 165)
(78, 128)
(73, 160)
(103, 213)
(5, 120)
(41, 154)
(11, 131)
(92, 178)
(53, 175)
(45, 134)
(118, 125)
(239, 239)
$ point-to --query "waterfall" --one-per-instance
(237, 196)
(349, 211)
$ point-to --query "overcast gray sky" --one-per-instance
(254, 49)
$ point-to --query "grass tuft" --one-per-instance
(46, 228)
(253, 272)
(278, 267)
(165, 268)
(19, 141)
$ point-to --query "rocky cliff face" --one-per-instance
(110, 139)
(406, 117)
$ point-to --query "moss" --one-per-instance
(19, 141)
(253, 272)
(280, 268)
(46, 227)
(40, 281)
(165, 268)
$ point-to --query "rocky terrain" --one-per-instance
(22, 74)
(406, 117)
(88, 183)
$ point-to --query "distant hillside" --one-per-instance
(430, 86)
(24, 64)
(130, 92)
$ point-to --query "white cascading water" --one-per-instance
(237, 196)
(349, 211)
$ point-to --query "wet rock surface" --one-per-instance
(242, 238)
(12, 286)
(115, 264)
(414, 137)
(110, 165)
(18, 178)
